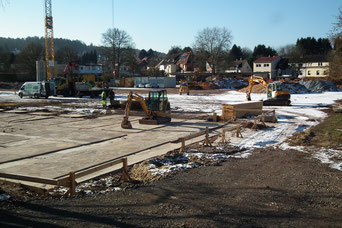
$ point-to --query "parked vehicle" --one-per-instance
(37, 89)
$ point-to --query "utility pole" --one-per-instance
(49, 45)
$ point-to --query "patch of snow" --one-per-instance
(331, 157)
(4, 197)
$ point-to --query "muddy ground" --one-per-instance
(270, 188)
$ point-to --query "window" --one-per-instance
(325, 72)
(320, 64)
(309, 72)
(258, 65)
(266, 65)
(317, 72)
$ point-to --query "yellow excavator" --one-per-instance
(276, 95)
(156, 108)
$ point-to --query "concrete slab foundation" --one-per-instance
(51, 148)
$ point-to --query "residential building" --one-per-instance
(185, 62)
(266, 67)
(168, 65)
(239, 66)
(313, 66)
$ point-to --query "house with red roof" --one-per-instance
(266, 67)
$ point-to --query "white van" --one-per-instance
(36, 89)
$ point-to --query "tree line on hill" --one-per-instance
(212, 47)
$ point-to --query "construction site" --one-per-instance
(190, 148)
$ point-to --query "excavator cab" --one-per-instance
(275, 90)
(156, 108)
(157, 101)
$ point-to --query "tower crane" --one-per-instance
(49, 45)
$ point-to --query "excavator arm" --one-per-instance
(251, 82)
(133, 96)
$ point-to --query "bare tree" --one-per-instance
(66, 54)
(212, 44)
(116, 42)
(335, 64)
(28, 56)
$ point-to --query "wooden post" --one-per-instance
(72, 183)
(274, 117)
(223, 139)
(206, 139)
(124, 176)
(214, 117)
(238, 132)
(255, 125)
(262, 119)
(182, 145)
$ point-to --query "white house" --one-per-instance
(239, 66)
(266, 66)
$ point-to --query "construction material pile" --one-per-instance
(295, 88)
(318, 86)
(232, 84)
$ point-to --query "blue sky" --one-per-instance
(159, 24)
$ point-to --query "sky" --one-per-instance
(161, 24)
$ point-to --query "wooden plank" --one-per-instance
(29, 178)
(65, 181)
(97, 168)
(194, 135)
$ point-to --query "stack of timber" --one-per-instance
(239, 110)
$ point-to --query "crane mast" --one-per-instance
(49, 45)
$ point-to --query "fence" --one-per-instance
(70, 180)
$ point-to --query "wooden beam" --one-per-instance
(65, 181)
(29, 178)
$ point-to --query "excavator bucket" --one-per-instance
(126, 124)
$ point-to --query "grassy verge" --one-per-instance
(325, 134)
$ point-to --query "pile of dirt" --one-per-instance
(207, 85)
(174, 161)
(258, 88)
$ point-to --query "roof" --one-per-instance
(184, 58)
(266, 59)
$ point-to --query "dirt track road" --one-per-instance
(272, 188)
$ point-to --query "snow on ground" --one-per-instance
(306, 111)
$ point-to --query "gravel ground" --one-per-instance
(272, 188)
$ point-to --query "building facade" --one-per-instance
(266, 66)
